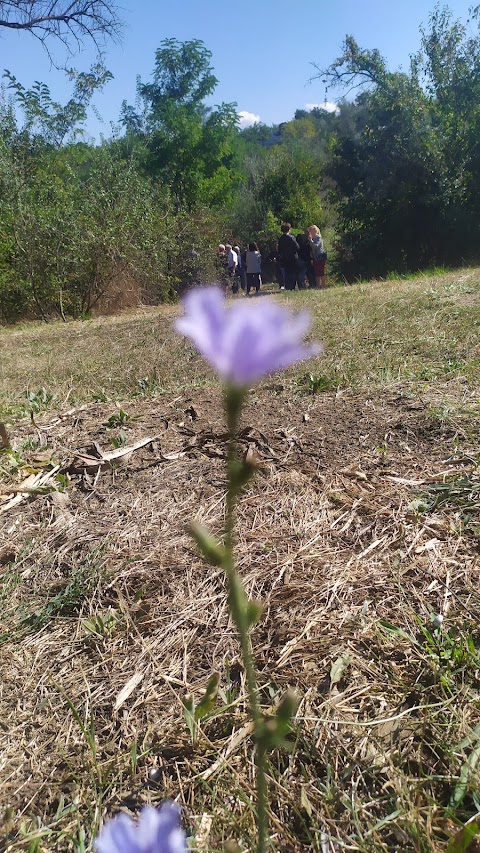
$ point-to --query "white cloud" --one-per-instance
(247, 119)
(329, 106)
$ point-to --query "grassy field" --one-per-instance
(361, 527)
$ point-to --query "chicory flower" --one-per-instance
(244, 341)
(157, 831)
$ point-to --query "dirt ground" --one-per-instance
(330, 539)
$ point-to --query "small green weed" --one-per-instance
(116, 420)
(315, 383)
(460, 494)
(82, 581)
(452, 651)
(101, 626)
(193, 713)
(464, 840)
(119, 440)
(149, 385)
(38, 401)
(10, 461)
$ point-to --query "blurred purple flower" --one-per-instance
(246, 340)
(157, 831)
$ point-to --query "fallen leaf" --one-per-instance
(127, 691)
(338, 668)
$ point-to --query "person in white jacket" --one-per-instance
(232, 263)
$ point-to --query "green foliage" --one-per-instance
(452, 654)
(101, 625)
(406, 170)
(282, 186)
(49, 122)
(214, 553)
(315, 383)
(119, 440)
(276, 729)
(463, 841)
(149, 385)
(15, 297)
(186, 145)
(117, 419)
(459, 496)
(39, 400)
(80, 226)
(79, 223)
(395, 174)
(194, 713)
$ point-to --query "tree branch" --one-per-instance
(63, 20)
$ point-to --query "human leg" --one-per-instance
(290, 276)
(320, 276)
(301, 274)
(311, 276)
(280, 272)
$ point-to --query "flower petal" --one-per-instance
(157, 831)
(203, 320)
(118, 835)
(244, 341)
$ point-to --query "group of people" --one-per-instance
(299, 261)
(240, 269)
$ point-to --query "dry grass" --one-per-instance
(342, 535)
(375, 334)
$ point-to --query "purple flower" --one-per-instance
(246, 340)
(157, 831)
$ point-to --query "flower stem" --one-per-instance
(238, 604)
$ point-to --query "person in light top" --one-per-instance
(241, 277)
(319, 255)
(254, 268)
(232, 263)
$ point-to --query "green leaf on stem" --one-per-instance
(208, 699)
(213, 551)
(464, 840)
(277, 728)
(254, 611)
(188, 703)
(239, 473)
(193, 713)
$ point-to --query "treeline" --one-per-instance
(392, 177)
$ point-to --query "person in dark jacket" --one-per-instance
(305, 261)
(275, 261)
(288, 255)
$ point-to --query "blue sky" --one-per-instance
(261, 51)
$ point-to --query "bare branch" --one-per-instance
(354, 69)
(64, 21)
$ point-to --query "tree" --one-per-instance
(63, 20)
(50, 121)
(448, 64)
(188, 146)
(406, 169)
